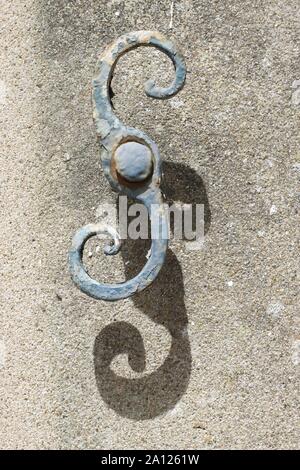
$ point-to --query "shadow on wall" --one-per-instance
(159, 391)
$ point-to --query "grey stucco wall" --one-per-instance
(215, 342)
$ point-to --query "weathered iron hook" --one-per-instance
(132, 165)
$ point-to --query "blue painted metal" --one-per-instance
(139, 180)
(133, 161)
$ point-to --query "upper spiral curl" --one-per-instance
(104, 115)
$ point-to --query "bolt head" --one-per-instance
(133, 161)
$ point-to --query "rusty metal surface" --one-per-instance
(139, 179)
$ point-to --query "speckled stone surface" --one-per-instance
(209, 356)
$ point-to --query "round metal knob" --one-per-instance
(133, 161)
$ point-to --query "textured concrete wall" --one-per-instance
(209, 356)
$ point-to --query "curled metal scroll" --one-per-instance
(132, 165)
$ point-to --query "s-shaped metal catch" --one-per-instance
(132, 165)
